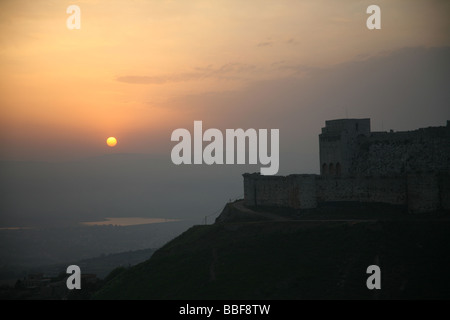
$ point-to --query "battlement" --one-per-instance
(349, 148)
(339, 144)
(350, 126)
(396, 153)
(410, 169)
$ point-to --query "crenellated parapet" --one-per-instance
(409, 169)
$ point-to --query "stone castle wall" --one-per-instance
(444, 191)
(422, 192)
(338, 144)
(294, 191)
(423, 150)
(390, 190)
(410, 169)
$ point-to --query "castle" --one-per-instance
(409, 169)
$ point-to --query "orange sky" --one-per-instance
(63, 92)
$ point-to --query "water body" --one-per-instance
(131, 221)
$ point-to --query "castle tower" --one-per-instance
(338, 145)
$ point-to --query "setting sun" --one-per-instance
(111, 141)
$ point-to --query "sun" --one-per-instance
(111, 141)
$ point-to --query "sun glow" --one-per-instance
(111, 141)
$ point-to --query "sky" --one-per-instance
(138, 70)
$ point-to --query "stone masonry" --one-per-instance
(410, 169)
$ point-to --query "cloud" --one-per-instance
(296, 69)
(265, 44)
(292, 41)
(159, 79)
(270, 42)
(230, 71)
(403, 89)
(141, 79)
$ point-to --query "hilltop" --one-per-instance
(282, 254)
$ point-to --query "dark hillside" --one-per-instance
(295, 259)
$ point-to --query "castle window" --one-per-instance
(338, 169)
(324, 169)
(331, 169)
